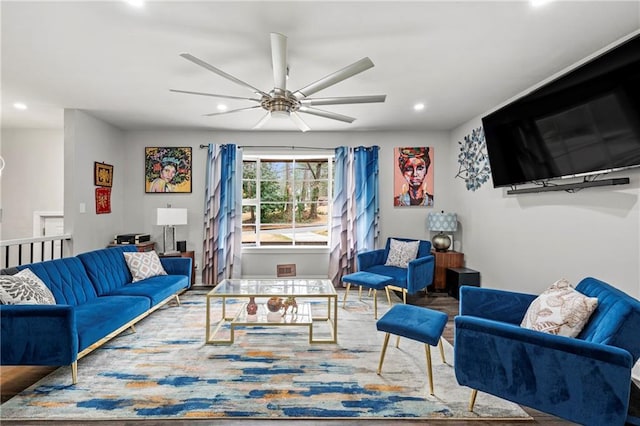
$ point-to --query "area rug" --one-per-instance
(165, 371)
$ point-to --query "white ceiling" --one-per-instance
(460, 58)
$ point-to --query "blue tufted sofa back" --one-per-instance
(66, 278)
(616, 320)
(107, 268)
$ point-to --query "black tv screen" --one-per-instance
(585, 122)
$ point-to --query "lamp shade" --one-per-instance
(446, 222)
(169, 217)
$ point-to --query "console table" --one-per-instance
(444, 260)
(141, 247)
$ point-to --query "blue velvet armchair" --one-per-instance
(586, 379)
(417, 276)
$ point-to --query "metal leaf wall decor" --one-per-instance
(473, 160)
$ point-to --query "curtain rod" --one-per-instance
(276, 146)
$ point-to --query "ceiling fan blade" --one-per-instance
(298, 122)
(231, 110)
(326, 114)
(213, 95)
(336, 77)
(221, 73)
(279, 60)
(344, 100)
(262, 121)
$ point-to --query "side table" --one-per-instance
(444, 260)
(461, 276)
(192, 255)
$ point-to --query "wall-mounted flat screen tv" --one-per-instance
(585, 122)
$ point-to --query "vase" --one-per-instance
(252, 307)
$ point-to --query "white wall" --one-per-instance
(32, 180)
(261, 262)
(527, 242)
(88, 140)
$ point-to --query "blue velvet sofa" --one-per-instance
(95, 301)
(586, 379)
(417, 276)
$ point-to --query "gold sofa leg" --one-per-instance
(384, 350)
(74, 372)
(344, 301)
(472, 401)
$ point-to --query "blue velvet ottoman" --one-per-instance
(415, 323)
(373, 282)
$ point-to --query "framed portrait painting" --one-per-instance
(102, 174)
(167, 169)
(413, 176)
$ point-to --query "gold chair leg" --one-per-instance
(441, 346)
(344, 301)
(398, 342)
(74, 372)
(472, 401)
(384, 350)
(375, 303)
(388, 296)
(404, 296)
(133, 328)
(177, 300)
(359, 292)
(427, 350)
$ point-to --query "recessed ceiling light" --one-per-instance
(418, 107)
(538, 3)
(222, 107)
(20, 106)
(135, 3)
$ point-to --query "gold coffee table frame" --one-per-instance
(263, 289)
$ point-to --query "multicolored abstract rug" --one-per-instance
(164, 371)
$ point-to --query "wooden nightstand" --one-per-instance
(192, 255)
(444, 260)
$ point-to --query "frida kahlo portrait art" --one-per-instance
(413, 176)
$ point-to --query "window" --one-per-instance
(285, 200)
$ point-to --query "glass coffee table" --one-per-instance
(272, 302)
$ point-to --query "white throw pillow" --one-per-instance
(24, 288)
(401, 253)
(144, 265)
(560, 310)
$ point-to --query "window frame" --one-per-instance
(258, 158)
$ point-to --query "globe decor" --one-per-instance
(473, 160)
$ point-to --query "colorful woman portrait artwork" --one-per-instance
(413, 176)
(167, 169)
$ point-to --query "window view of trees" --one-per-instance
(285, 201)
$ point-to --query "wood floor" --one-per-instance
(14, 379)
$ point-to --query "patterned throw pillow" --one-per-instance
(560, 310)
(401, 253)
(144, 265)
(24, 288)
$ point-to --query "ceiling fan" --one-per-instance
(280, 102)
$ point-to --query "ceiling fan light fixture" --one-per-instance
(280, 114)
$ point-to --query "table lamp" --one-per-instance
(168, 218)
(442, 222)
